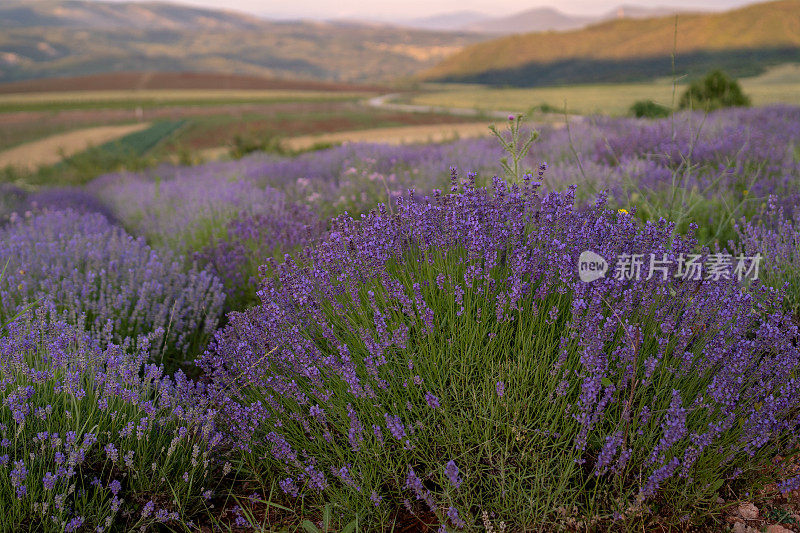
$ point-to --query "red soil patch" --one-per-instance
(121, 81)
(76, 117)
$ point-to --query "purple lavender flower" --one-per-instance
(288, 486)
(452, 472)
(433, 401)
(49, 481)
(111, 452)
(74, 524)
(18, 475)
(350, 320)
(457, 521)
(395, 426)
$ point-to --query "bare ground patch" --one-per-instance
(396, 135)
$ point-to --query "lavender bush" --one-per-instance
(10, 199)
(776, 237)
(252, 239)
(711, 170)
(91, 268)
(14, 200)
(95, 439)
(446, 359)
(189, 211)
(690, 168)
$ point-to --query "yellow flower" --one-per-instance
(745, 192)
(623, 211)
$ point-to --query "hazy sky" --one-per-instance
(405, 9)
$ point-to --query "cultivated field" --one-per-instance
(155, 81)
(55, 148)
(781, 85)
(276, 308)
(469, 344)
(218, 122)
(158, 98)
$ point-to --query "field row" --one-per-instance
(778, 85)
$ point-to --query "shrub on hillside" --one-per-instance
(122, 288)
(716, 90)
(445, 359)
(649, 109)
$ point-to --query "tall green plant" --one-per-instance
(517, 147)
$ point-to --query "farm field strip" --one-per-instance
(399, 135)
(20, 127)
(171, 95)
(157, 98)
(585, 99)
(53, 149)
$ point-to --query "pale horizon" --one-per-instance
(403, 10)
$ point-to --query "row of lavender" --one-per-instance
(436, 356)
(231, 216)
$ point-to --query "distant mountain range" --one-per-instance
(451, 21)
(532, 20)
(76, 37)
(744, 41)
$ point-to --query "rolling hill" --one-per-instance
(151, 16)
(77, 37)
(449, 21)
(551, 19)
(536, 19)
(744, 41)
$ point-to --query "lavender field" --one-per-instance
(401, 338)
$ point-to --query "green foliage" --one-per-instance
(517, 147)
(649, 109)
(243, 145)
(545, 107)
(716, 90)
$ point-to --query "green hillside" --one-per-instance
(744, 41)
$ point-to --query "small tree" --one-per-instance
(715, 91)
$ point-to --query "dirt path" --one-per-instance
(50, 151)
(394, 135)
